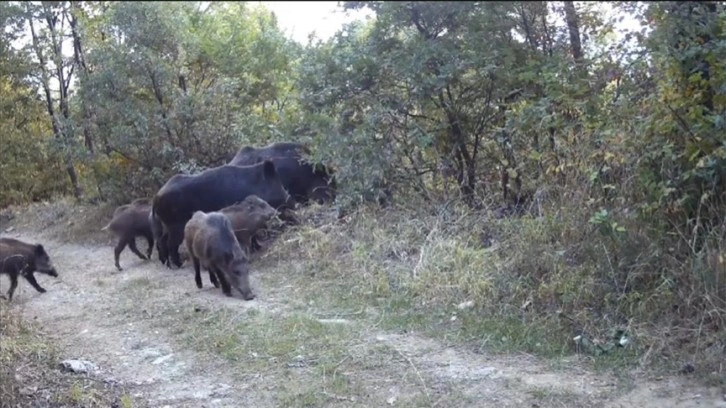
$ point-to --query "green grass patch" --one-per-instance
(260, 341)
(311, 356)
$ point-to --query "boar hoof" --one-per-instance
(248, 296)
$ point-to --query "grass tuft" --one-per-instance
(29, 375)
(265, 342)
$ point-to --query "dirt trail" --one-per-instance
(121, 322)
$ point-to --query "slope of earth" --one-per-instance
(150, 327)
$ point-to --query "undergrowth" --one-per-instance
(561, 283)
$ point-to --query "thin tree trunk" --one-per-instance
(467, 167)
(573, 27)
(80, 62)
(55, 122)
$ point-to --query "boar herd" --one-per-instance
(216, 213)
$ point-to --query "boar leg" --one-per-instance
(226, 289)
(13, 285)
(122, 242)
(31, 279)
(197, 274)
(162, 248)
(150, 240)
(132, 246)
(213, 278)
(174, 239)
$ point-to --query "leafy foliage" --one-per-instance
(182, 89)
(28, 165)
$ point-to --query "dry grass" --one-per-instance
(310, 353)
(512, 284)
(29, 374)
(64, 219)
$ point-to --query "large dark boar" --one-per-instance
(247, 218)
(20, 258)
(211, 243)
(212, 190)
(130, 221)
(302, 179)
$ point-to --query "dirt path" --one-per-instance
(150, 327)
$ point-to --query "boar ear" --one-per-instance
(39, 250)
(269, 170)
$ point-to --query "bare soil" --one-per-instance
(150, 329)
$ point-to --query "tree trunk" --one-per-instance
(58, 128)
(466, 172)
(156, 87)
(80, 62)
(457, 140)
(573, 27)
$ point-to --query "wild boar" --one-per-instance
(21, 258)
(211, 243)
(130, 221)
(248, 217)
(304, 180)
